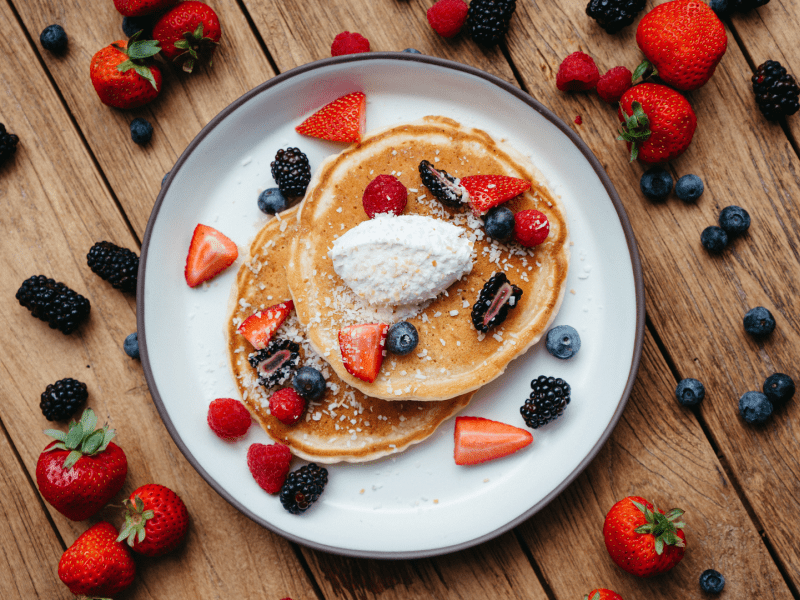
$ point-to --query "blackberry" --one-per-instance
(291, 172)
(776, 91)
(446, 188)
(487, 20)
(62, 399)
(8, 144)
(63, 309)
(614, 15)
(547, 401)
(53, 39)
(496, 298)
(309, 383)
(303, 487)
(118, 266)
(276, 363)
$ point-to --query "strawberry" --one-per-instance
(602, 594)
(478, 440)
(82, 470)
(287, 406)
(683, 40)
(122, 74)
(487, 191)
(139, 8)
(156, 520)
(657, 122)
(269, 465)
(96, 564)
(384, 194)
(259, 327)
(210, 253)
(228, 418)
(188, 34)
(641, 540)
(362, 348)
(342, 120)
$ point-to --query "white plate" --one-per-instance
(418, 503)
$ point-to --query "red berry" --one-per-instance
(287, 406)
(384, 194)
(447, 17)
(531, 227)
(577, 73)
(349, 43)
(614, 83)
(228, 418)
(269, 465)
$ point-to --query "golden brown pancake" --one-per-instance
(344, 425)
(452, 356)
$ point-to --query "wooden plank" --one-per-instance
(697, 300)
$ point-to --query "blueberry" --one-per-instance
(656, 183)
(54, 39)
(778, 387)
(271, 201)
(412, 51)
(141, 131)
(734, 220)
(714, 239)
(131, 345)
(402, 338)
(759, 321)
(720, 7)
(711, 581)
(309, 383)
(563, 341)
(130, 25)
(690, 392)
(689, 188)
(164, 179)
(499, 223)
(755, 407)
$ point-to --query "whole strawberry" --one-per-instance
(122, 74)
(643, 540)
(657, 122)
(82, 470)
(97, 565)
(139, 8)
(156, 520)
(602, 594)
(188, 34)
(684, 40)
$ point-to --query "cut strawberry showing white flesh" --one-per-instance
(487, 191)
(478, 440)
(362, 348)
(210, 253)
(259, 327)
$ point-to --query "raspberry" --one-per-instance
(531, 227)
(384, 194)
(287, 406)
(614, 83)
(349, 43)
(269, 465)
(447, 17)
(577, 73)
(228, 418)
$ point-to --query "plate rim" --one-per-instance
(532, 103)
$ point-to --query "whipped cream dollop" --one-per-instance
(401, 260)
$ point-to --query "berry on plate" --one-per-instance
(656, 184)
(547, 401)
(384, 194)
(531, 227)
(156, 520)
(690, 392)
(342, 120)
(188, 34)
(303, 487)
(445, 188)
(497, 296)
(269, 465)
(778, 387)
(402, 338)
(287, 406)
(759, 321)
(487, 191)
(123, 74)
(446, 17)
(276, 363)
(362, 348)
(228, 418)
(478, 440)
(499, 223)
(291, 171)
(563, 341)
(259, 327)
(613, 83)
(96, 564)
(271, 201)
(755, 407)
(210, 253)
(577, 73)
(349, 43)
(309, 383)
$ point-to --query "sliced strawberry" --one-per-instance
(259, 327)
(210, 253)
(487, 191)
(343, 120)
(362, 349)
(478, 440)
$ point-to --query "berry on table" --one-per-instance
(164, 178)
(384, 194)
(755, 407)
(124, 75)
(402, 338)
(156, 520)
(118, 266)
(546, 402)
(746, 5)
(488, 20)
(613, 83)
(132, 25)
(188, 34)
(309, 383)
(711, 581)
(714, 239)
(349, 43)
(499, 223)
(759, 321)
(446, 17)
(778, 387)
(54, 39)
(776, 91)
(276, 363)
(689, 188)
(720, 7)
(656, 183)
(690, 392)
(412, 51)
(303, 487)
(131, 345)
(291, 171)
(614, 15)
(577, 73)
(269, 465)
(496, 298)
(141, 131)
(63, 309)
(287, 406)
(8, 144)
(62, 399)
(563, 341)
(228, 418)
(734, 220)
(531, 227)
(445, 188)
(271, 201)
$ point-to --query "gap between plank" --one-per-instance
(307, 570)
(258, 37)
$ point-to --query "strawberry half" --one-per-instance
(210, 253)
(487, 191)
(259, 327)
(342, 120)
(478, 440)
(362, 349)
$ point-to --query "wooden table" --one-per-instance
(77, 179)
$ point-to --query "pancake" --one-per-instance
(344, 425)
(452, 357)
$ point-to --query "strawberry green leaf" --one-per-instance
(71, 459)
(645, 69)
(92, 443)
(74, 436)
(56, 434)
(140, 69)
(88, 420)
(143, 49)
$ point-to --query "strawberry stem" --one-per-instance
(82, 439)
(644, 70)
(138, 51)
(197, 49)
(635, 129)
(662, 526)
(135, 520)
